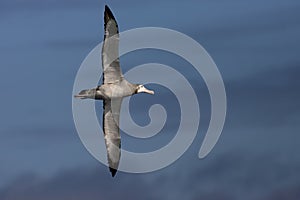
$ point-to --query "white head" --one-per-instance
(141, 88)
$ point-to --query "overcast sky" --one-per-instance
(255, 45)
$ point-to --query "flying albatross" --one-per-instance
(114, 88)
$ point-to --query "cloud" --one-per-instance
(223, 175)
(266, 99)
(290, 193)
(77, 184)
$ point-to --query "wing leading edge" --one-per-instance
(111, 115)
(110, 50)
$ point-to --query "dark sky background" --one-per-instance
(256, 46)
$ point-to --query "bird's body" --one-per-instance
(118, 90)
(114, 88)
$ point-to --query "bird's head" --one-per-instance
(86, 94)
(141, 88)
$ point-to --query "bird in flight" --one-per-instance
(113, 89)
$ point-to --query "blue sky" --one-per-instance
(256, 48)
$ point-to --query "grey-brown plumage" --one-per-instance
(114, 88)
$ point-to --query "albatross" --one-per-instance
(113, 89)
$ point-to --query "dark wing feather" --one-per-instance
(111, 131)
(110, 50)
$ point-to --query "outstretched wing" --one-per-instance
(111, 131)
(110, 49)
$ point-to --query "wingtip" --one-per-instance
(106, 8)
(113, 171)
(108, 13)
